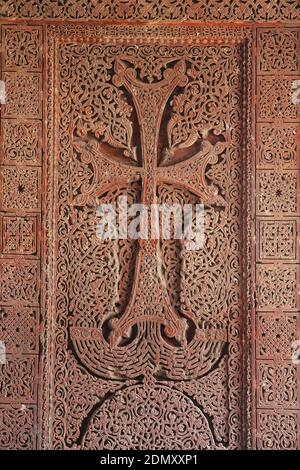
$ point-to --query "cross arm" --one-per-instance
(190, 174)
(107, 172)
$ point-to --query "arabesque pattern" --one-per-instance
(143, 340)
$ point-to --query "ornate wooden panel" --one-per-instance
(135, 344)
(155, 321)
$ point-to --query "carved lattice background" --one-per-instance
(39, 292)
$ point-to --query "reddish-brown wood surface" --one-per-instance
(128, 345)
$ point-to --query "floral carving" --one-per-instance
(276, 286)
(277, 239)
(277, 192)
(22, 48)
(20, 188)
(285, 153)
(21, 142)
(275, 334)
(23, 95)
(19, 329)
(19, 235)
(278, 51)
(17, 427)
(19, 282)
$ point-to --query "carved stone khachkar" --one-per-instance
(143, 344)
(139, 319)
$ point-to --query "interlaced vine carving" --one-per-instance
(139, 318)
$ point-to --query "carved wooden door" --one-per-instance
(145, 344)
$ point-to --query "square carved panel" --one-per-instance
(277, 240)
(22, 48)
(21, 142)
(277, 430)
(18, 426)
(278, 384)
(277, 192)
(278, 51)
(23, 95)
(19, 329)
(278, 99)
(275, 333)
(277, 286)
(18, 379)
(20, 188)
(19, 235)
(19, 282)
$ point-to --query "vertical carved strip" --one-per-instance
(277, 244)
(20, 206)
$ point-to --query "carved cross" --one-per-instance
(149, 301)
